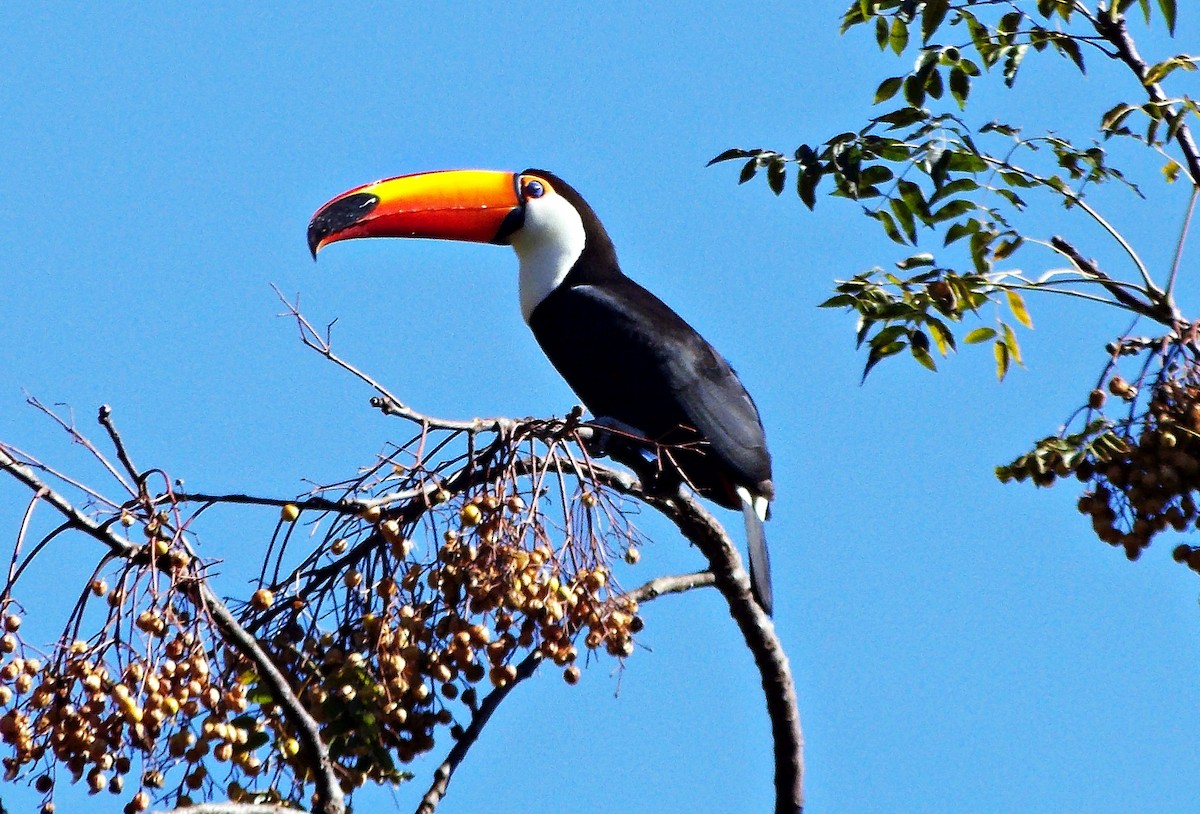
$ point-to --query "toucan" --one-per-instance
(641, 370)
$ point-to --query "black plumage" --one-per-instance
(629, 357)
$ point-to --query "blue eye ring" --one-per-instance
(533, 188)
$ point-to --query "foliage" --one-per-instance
(923, 174)
(926, 174)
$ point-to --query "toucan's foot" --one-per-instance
(612, 435)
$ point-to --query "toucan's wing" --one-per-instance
(636, 360)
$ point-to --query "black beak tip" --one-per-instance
(314, 241)
(339, 215)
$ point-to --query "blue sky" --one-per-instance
(958, 645)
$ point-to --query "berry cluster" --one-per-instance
(424, 635)
(385, 642)
(125, 721)
(1146, 486)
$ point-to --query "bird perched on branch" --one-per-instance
(641, 370)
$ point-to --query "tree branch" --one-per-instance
(661, 586)
(329, 797)
(385, 402)
(703, 530)
(1161, 311)
(329, 792)
(119, 545)
(443, 773)
(1112, 27)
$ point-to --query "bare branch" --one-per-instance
(703, 530)
(385, 402)
(119, 545)
(442, 775)
(1111, 25)
(80, 438)
(329, 797)
(671, 585)
(105, 419)
(758, 631)
(1160, 311)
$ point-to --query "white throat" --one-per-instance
(547, 246)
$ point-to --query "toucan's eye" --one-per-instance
(533, 188)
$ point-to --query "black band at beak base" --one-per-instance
(513, 221)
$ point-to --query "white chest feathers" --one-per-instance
(547, 246)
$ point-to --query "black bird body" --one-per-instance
(631, 358)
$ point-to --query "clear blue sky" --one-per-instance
(958, 645)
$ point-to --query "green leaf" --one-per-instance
(1168, 11)
(1007, 247)
(748, 170)
(806, 185)
(922, 356)
(932, 17)
(915, 261)
(957, 207)
(888, 336)
(960, 86)
(1070, 47)
(934, 86)
(838, 301)
(913, 197)
(980, 335)
(888, 88)
(1000, 351)
(875, 174)
(905, 216)
(878, 354)
(914, 91)
(1012, 63)
(889, 226)
(777, 175)
(1112, 119)
(955, 187)
(958, 231)
(728, 155)
(1017, 304)
(1010, 342)
(898, 37)
(902, 117)
(939, 170)
(881, 33)
(941, 335)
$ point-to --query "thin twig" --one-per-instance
(1160, 311)
(105, 419)
(119, 545)
(80, 438)
(479, 719)
(386, 402)
(1183, 233)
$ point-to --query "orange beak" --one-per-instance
(482, 206)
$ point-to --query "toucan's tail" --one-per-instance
(754, 511)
